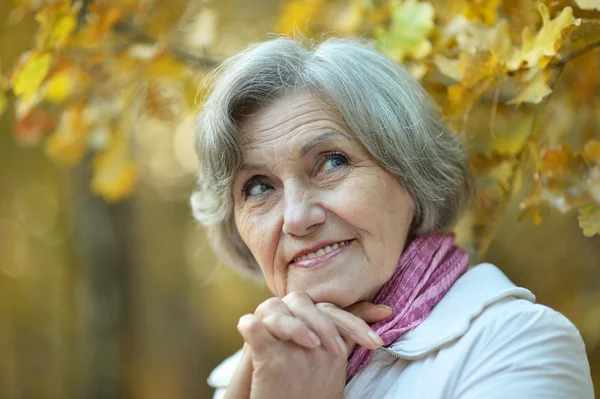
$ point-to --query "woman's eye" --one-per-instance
(255, 188)
(334, 161)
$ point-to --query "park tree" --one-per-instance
(516, 79)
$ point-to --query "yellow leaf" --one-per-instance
(482, 68)
(592, 151)
(68, 143)
(114, 172)
(409, 30)
(57, 22)
(484, 10)
(589, 220)
(348, 18)
(297, 15)
(535, 91)
(540, 49)
(30, 74)
(61, 86)
(510, 141)
(588, 4)
(475, 36)
(453, 68)
(167, 66)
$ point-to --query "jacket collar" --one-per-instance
(479, 287)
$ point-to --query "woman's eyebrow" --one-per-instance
(319, 139)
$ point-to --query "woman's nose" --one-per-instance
(301, 215)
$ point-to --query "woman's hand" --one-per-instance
(294, 340)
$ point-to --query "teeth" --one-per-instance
(321, 251)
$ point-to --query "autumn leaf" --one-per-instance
(57, 22)
(29, 130)
(63, 84)
(114, 172)
(298, 15)
(349, 19)
(201, 31)
(452, 68)
(562, 178)
(540, 49)
(589, 220)
(30, 74)
(591, 151)
(484, 10)
(588, 4)
(68, 143)
(102, 19)
(510, 142)
(407, 35)
(482, 68)
(536, 90)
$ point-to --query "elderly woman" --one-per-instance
(327, 172)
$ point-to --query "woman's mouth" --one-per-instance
(322, 255)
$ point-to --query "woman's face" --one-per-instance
(318, 214)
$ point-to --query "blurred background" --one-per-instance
(125, 299)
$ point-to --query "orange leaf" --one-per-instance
(30, 129)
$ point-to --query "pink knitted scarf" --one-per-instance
(427, 269)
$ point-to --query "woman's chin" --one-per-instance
(335, 295)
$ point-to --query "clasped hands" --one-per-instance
(295, 348)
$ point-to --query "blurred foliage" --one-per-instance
(113, 296)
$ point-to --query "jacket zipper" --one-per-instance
(389, 352)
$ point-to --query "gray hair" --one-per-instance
(386, 109)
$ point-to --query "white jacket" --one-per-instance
(486, 338)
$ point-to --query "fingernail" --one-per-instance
(375, 338)
(314, 339)
(385, 307)
(341, 345)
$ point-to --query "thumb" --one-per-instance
(370, 312)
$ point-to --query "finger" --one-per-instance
(303, 308)
(370, 312)
(257, 336)
(348, 342)
(270, 306)
(352, 325)
(289, 328)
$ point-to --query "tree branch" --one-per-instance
(570, 56)
(126, 28)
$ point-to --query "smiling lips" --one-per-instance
(323, 254)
